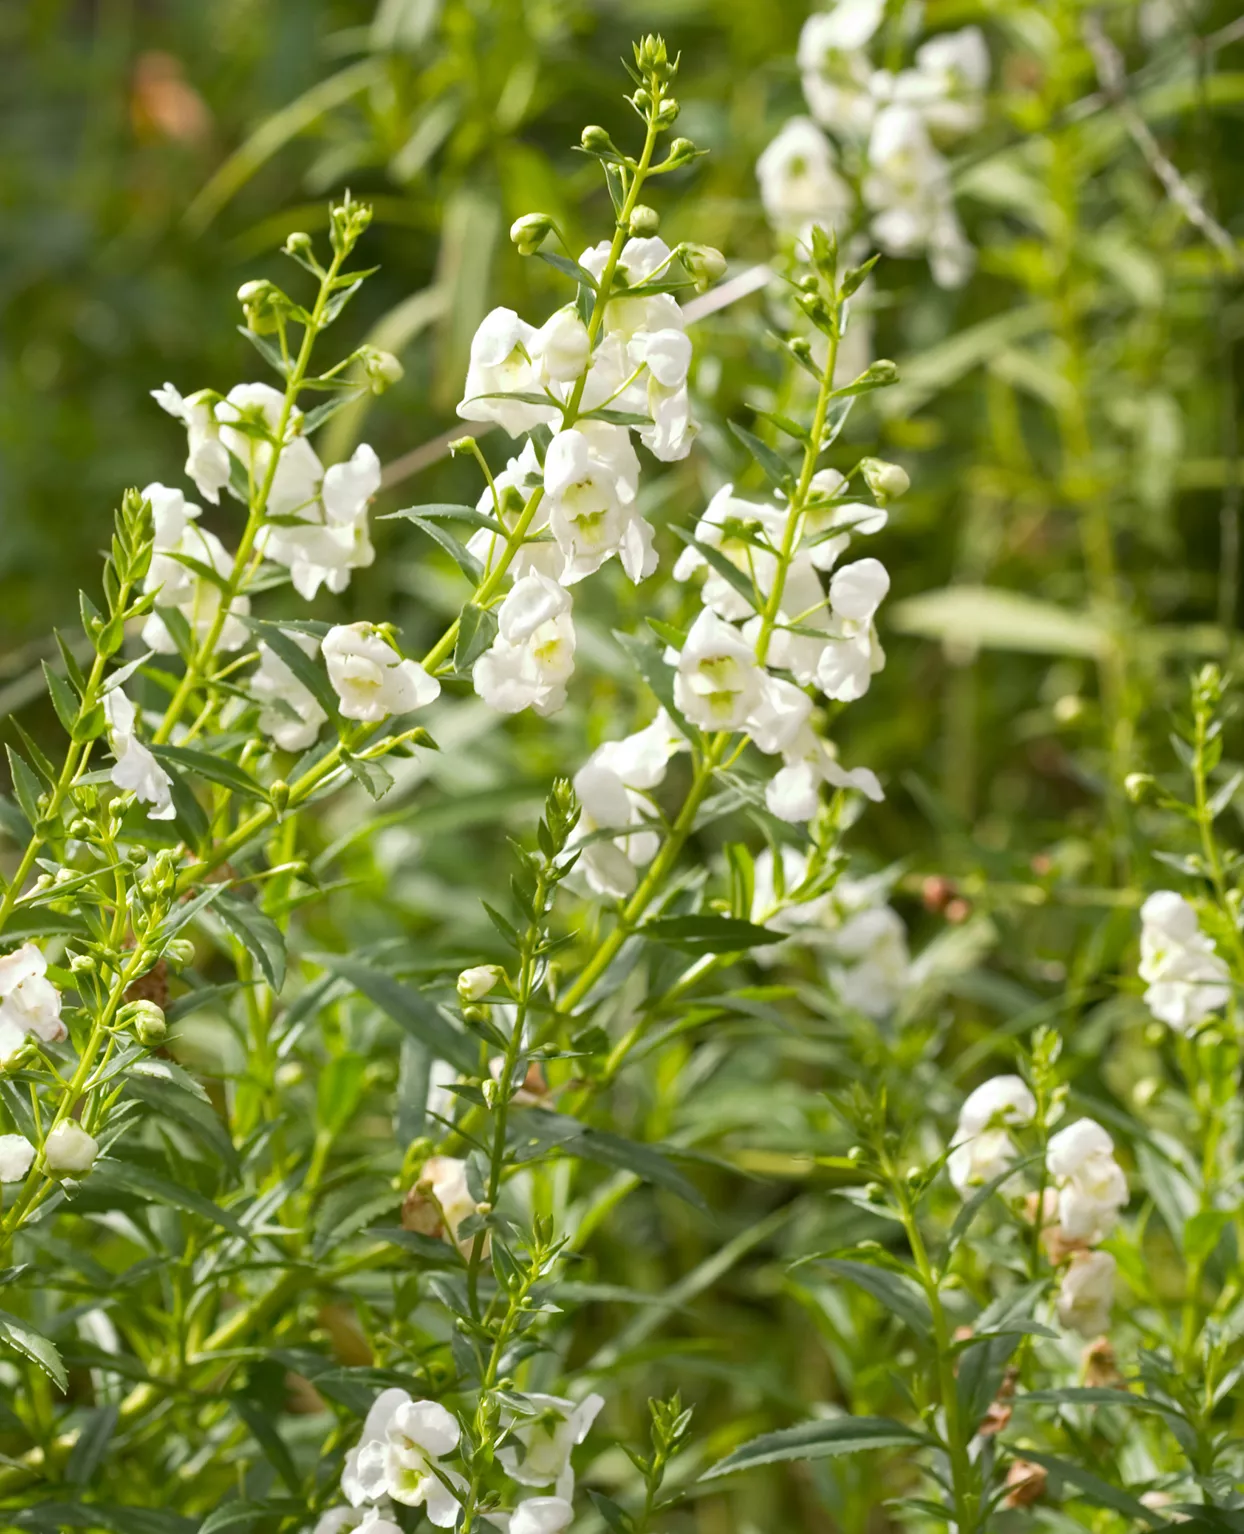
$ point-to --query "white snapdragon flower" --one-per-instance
(853, 655)
(747, 533)
(249, 419)
(136, 772)
(545, 1439)
(399, 1456)
(1091, 1186)
(537, 1515)
(834, 65)
(642, 259)
(368, 1520)
(982, 1147)
(1087, 1293)
(1186, 979)
(907, 189)
(476, 983)
(289, 714)
(446, 1177)
(611, 789)
(320, 529)
(718, 684)
(17, 1155)
(207, 463)
(501, 365)
(561, 349)
(177, 538)
(591, 476)
(370, 678)
(793, 794)
(29, 1002)
(69, 1150)
(948, 83)
(799, 180)
(532, 657)
(830, 521)
(874, 968)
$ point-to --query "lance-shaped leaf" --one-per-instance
(410, 1009)
(820, 1440)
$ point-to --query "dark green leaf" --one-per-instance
(257, 933)
(898, 1294)
(22, 1338)
(154, 1189)
(458, 552)
(477, 628)
(708, 934)
(216, 769)
(93, 1440)
(819, 1440)
(1100, 1493)
(775, 468)
(409, 1009)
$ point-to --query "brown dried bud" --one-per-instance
(421, 1213)
(1025, 1483)
(1101, 1366)
(995, 1419)
(958, 910)
(937, 892)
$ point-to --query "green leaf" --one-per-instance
(446, 511)
(477, 628)
(267, 349)
(192, 1111)
(126, 1177)
(1099, 1395)
(314, 419)
(26, 786)
(304, 667)
(458, 552)
(708, 934)
(409, 1009)
(741, 582)
(63, 699)
(648, 658)
(973, 1206)
(572, 269)
(257, 933)
(774, 466)
(257, 1419)
(22, 1338)
(216, 769)
(538, 1129)
(1202, 1234)
(238, 1516)
(820, 1440)
(895, 1292)
(1100, 1493)
(92, 1445)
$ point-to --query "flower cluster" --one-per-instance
(1186, 980)
(726, 671)
(1077, 1210)
(883, 165)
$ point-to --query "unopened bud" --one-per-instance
(82, 964)
(81, 828)
(885, 480)
(278, 796)
(596, 141)
(682, 150)
(382, 368)
(298, 243)
(667, 113)
(69, 1151)
(530, 232)
(702, 263)
(801, 347)
(180, 952)
(475, 983)
(645, 221)
(642, 99)
(1138, 786)
(263, 303)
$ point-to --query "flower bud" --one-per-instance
(801, 347)
(1138, 786)
(298, 244)
(147, 1021)
(667, 113)
(645, 221)
(82, 964)
(885, 480)
(180, 952)
(278, 796)
(263, 303)
(382, 368)
(81, 828)
(641, 100)
(596, 141)
(682, 150)
(347, 221)
(702, 263)
(530, 232)
(652, 57)
(69, 1151)
(475, 983)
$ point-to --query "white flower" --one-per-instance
(948, 82)
(322, 533)
(1091, 1186)
(983, 1149)
(69, 1149)
(799, 183)
(370, 677)
(29, 1002)
(561, 348)
(532, 657)
(611, 788)
(178, 537)
(1087, 1293)
(784, 913)
(853, 654)
(16, 1156)
(289, 714)
(876, 966)
(399, 1454)
(793, 794)
(514, 486)
(446, 1177)
(545, 1440)
(591, 475)
(747, 533)
(907, 187)
(501, 364)
(371, 1520)
(718, 683)
(1187, 981)
(249, 417)
(137, 771)
(641, 259)
(541, 1515)
(475, 983)
(834, 66)
(207, 463)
